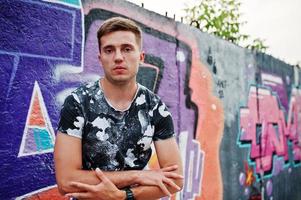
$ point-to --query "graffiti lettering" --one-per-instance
(263, 125)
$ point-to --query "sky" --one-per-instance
(277, 22)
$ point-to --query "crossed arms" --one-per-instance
(146, 184)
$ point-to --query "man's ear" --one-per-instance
(142, 55)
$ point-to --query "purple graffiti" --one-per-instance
(35, 37)
(242, 178)
(269, 187)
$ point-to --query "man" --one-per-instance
(110, 125)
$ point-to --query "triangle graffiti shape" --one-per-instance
(36, 116)
(38, 136)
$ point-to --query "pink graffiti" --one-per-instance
(263, 124)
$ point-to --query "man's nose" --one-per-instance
(118, 56)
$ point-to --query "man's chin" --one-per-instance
(122, 79)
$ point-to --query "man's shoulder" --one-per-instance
(148, 92)
(87, 87)
(84, 91)
(151, 97)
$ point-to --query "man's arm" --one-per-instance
(168, 154)
(68, 166)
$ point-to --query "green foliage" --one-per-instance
(257, 44)
(221, 18)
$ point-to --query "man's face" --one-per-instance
(120, 56)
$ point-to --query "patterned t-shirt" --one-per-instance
(112, 139)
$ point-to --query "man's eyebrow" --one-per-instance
(127, 44)
(108, 46)
(122, 45)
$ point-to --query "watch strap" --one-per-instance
(129, 194)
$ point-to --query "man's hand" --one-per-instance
(105, 190)
(159, 177)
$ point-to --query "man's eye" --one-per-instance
(108, 51)
(127, 49)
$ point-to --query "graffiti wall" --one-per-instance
(237, 113)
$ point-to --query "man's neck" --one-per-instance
(120, 96)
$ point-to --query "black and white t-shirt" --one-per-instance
(112, 139)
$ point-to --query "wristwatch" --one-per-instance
(129, 194)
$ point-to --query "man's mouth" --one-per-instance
(119, 69)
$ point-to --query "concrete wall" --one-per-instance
(237, 113)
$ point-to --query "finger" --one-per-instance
(101, 175)
(170, 168)
(164, 189)
(82, 186)
(173, 175)
(171, 183)
(78, 195)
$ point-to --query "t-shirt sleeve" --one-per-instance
(164, 128)
(71, 120)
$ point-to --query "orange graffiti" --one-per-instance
(210, 127)
(52, 194)
(249, 175)
(36, 116)
(153, 162)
